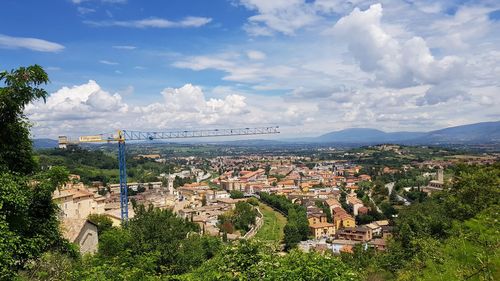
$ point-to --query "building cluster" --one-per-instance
(76, 202)
(203, 202)
(320, 185)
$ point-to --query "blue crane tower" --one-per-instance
(124, 135)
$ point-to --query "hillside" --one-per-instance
(485, 132)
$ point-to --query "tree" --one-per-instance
(22, 86)
(103, 222)
(236, 194)
(250, 260)
(29, 224)
(244, 216)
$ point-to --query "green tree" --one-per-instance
(103, 222)
(236, 194)
(250, 260)
(244, 216)
(29, 224)
(22, 86)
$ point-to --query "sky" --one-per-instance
(308, 66)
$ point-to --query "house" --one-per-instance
(342, 219)
(115, 215)
(363, 211)
(232, 184)
(376, 229)
(364, 177)
(355, 203)
(78, 203)
(359, 233)
(342, 245)
(81, 232)
(333, 203)
(217, 194)
(322, 229)
(379, 244)
(315, 218)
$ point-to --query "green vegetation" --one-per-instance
(241, 218)
(102, 222)
(297, 226)
(236, 194)
(274, 223)
(253, 261)
(28, 217)
(326, 210)
(451, 235)
(22, 86)
(97, 165)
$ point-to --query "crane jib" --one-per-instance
(125, 135)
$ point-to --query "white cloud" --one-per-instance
(34, 44)
(154, 23)
(411, 65)
(237, 69)
(83, 10)
(283, 16)
(256, 55)
(83, 101)
(87, 109)
(125, 47)
(394, 62)
(107, 62)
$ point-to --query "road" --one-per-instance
(390, 187)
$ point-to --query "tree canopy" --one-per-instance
(21, 87)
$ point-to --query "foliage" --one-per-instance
(28, 220)
(326, 210)
(241, 218)
(22, 86)
(472, 253)
(272, 229)
(178, 181)
(236, 194)
(253, 261)
(51, 265)
(168, 243)
(103, 222)
(422, 227)
(297, 227)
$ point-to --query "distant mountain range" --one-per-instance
(478, 133)
(485, 132)
(44, 143)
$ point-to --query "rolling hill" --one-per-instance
(485, 132)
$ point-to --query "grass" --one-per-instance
(274, 222)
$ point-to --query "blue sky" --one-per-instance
(308, 66)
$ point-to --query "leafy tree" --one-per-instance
(236, 194)
(253, 261)
(471, 253)
(387, 209)
(22, 86)
(104, 223)
(28, 221)
(297, 227)
(244, 216)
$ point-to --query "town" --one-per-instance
(346, 203)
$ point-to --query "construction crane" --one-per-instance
(123, 135)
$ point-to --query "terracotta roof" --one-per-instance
(71, 228)
(382, 222)
(332, 201)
